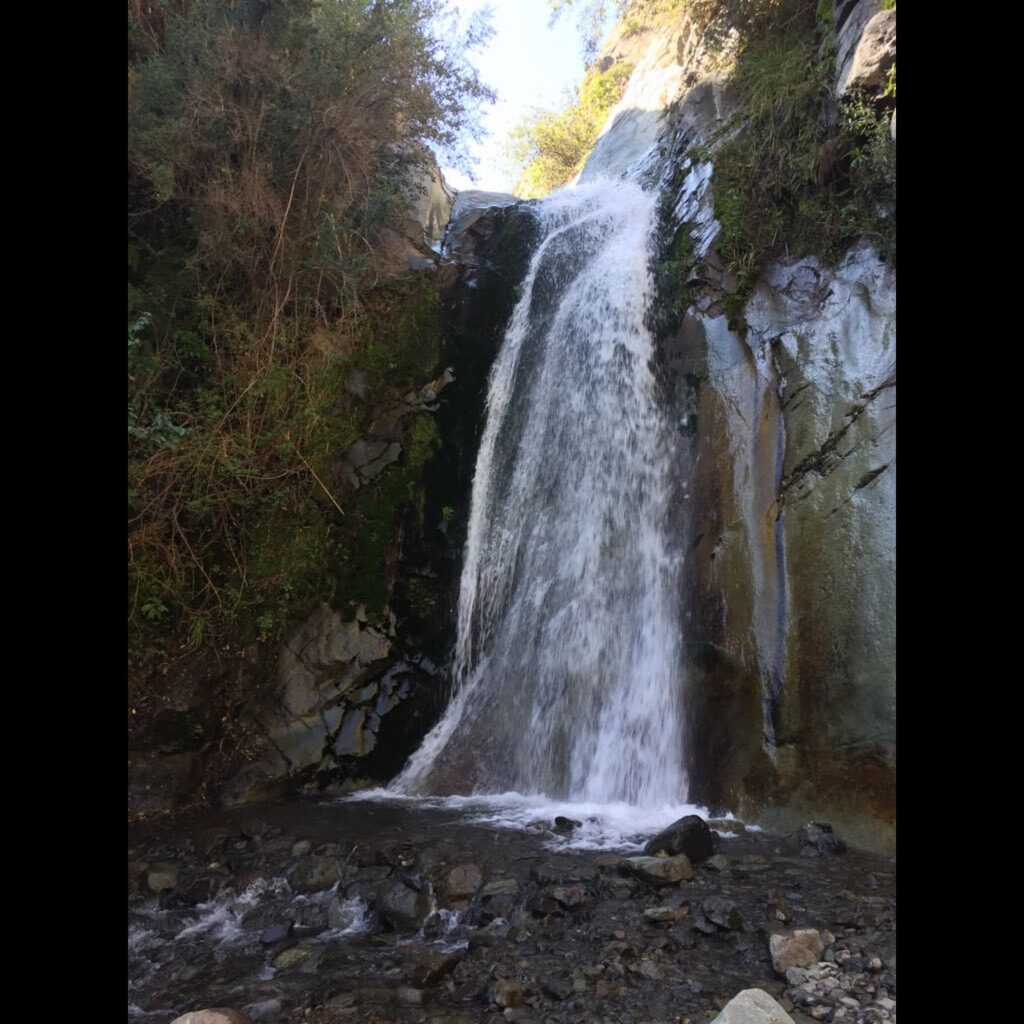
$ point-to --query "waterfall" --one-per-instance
(567, 668)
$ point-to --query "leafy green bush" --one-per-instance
(552, 147)
(269, 144)
(802, 175)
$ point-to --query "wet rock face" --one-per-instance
(787, 510)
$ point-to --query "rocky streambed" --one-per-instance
(368, 913)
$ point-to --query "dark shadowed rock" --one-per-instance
(277, 933)
(401, 907)
(819, 835)
(312, 874)
(433, 969)
(556, 988)
(201, 889)
(566, 825)
(666, 915)
(265, 1009)
(689, 835)
(722, 912)
(508, 993)
(571, 896)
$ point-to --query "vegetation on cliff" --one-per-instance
(270, 142)
(550, 147)
(804, 173)
(796, 171)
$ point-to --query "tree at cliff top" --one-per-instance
(269, 141)
(550, 148)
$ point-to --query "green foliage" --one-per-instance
(890, 83)
(269, 145)
(552, 147)
(801, 176)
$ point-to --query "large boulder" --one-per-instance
(869, 65)
(689, 835)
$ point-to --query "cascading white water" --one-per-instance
(567, 677)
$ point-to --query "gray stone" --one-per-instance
(874, 56)
(571, 896)
(753, 1006)
(725, 913)
(353, 739)
(412, 243)
(262, 780)
(401, 907)
(727, 825)
(463, 881)
(302, 847)
(717, 863)
(508, 993)
(819, 834)
(658, 870)
(373, 469)
(689, 835)
(471, 205)
(503, 886)
(313, 874)
(797, 947)
(433, 969)
(854, 15)
(161, 782)
(277, 933)
(342, 914)
(162, 875)
(292, 957)
(556, 988)
(265, 1009)
(666, 915)
(363, 452)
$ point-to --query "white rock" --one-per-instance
(753, 1006)
(218, 1015)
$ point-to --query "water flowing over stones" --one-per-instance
(567, 661)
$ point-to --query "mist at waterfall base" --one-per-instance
(568, 688)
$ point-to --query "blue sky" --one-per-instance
(529, 66)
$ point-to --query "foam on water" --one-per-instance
(605, 826)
